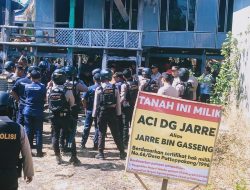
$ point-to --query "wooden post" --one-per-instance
(105, 59)
(71, 25)
(204, 61)
(5, 31)
(142, 183)
(164, 184)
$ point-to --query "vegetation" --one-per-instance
(227, 83)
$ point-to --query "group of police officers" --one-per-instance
(109, 102)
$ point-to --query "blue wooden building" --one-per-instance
(143, 31)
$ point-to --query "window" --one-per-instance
(177, 15)
(113, 18)
(225, 15)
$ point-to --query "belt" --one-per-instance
(61, 114)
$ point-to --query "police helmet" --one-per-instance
(96, 71)
(183, 74)
(43, 65)
(167, 76)
(97, 77)
(31, 68)
(127, 73)
(106, 74)
(59, 77)
(70, 71)
(4, 103)
(9, 65)
(146, 72)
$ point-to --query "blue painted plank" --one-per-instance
(93, 14)
(206, 18)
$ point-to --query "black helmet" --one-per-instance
(183, 74)
(146, 72)
(127, 73)
(106, 74)
(31, 68)
(97, 77)
(43, 65)
(4, 103)
(70, 71)
(96, 71)
(59, 77)
(9, 65)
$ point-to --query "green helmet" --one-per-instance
(106, 74)
(59, 77)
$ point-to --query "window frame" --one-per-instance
(187, 17)
(226, 16)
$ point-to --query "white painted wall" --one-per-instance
(241, 24)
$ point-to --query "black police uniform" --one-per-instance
(61, 117)
(10, 147)
(106, 107)
(129, 91)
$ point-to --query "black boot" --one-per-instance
(123, 155)
(100, 156)
(75, 161)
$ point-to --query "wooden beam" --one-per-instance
(122, 10)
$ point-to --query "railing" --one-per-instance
(76, 38)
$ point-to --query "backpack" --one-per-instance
(57, 101)
(108, 96)
(187, 94)
(151, 86)
(132, 92)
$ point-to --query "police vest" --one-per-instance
(11, 82)
(10, 144)
(187, 93)
(132, 92)
(151, 86)
(3, 82)
(57, 101)
(108, 97)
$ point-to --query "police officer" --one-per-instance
(167, 89)
(9, 69)
(184, 87)
(13, 140)
(88, 99)
(77, 87)
(129, 91)
(19, 95)
(35, 94)
(45, 74)
(156, 75)
(147, 84)
(61, 102)
(19, 73)
(106, 105)
(118, 80)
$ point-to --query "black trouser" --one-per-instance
(8, 179)
(61, 124)
(126, 122)
(107, 118)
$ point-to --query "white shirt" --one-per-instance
(168, 90)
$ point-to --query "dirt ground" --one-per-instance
(91, 174)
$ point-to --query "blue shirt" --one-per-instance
(35, 99)
(19, 89)
(89, 96)
(119, 85)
